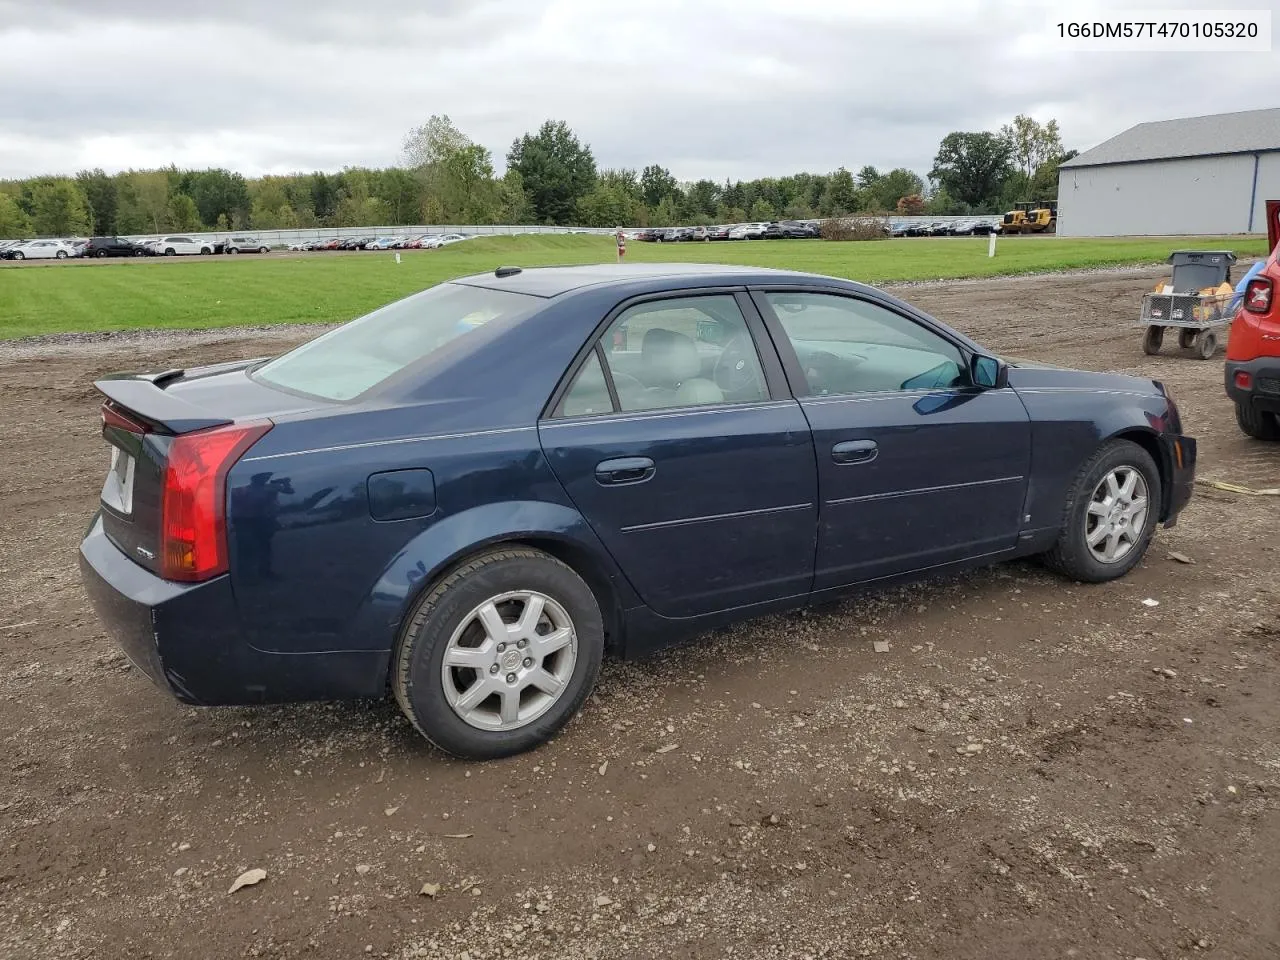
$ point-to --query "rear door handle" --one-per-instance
(854, 451)
(624, 470)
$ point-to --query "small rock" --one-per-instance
(475, 891)
(1180, 558)
(183, 847)
(391, 811)
(363, 868)
(604, 767)
(603, 901)
(429, 890)
(1150, 603)
(899, 705)
(668, 748)
(1166, 672)
(973, 748)
(651, 847)
(880, 646)
(248, 879)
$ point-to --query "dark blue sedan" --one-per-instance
(467, 498)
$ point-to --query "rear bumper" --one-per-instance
(187, 638)
(1264, 390)
(1181, 453)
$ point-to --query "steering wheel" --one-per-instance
(734, 372)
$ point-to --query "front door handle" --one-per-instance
(854, 451)
(624, 470)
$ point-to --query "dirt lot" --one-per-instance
(1033, 770)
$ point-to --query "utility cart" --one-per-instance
(1194, 301)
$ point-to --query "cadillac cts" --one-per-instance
(468, 497)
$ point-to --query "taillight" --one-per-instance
(111, 417)
(193, 524)
(1244, 380)
(1257, 295)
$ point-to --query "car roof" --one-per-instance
(554, 281)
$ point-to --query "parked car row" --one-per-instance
(775, 230)
(426, 241)
(944, 228)
(98, 247)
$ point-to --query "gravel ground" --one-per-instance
(1031, 769)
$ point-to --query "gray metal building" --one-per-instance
(1199, 175)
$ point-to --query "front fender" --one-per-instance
(1069, 425)
(444, 544)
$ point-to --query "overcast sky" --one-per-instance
(708, 88)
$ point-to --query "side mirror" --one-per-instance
(988, 372)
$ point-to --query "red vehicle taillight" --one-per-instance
(1257, 295)
(193, 513)
(1244, 379)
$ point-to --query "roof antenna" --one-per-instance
(506, 271)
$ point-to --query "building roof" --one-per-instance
(1249, 131)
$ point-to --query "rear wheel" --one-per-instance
(232, 250)
(1152, 339)
(1186, 338)
(499, 654)
(1258, 424)
(1110, 514)
(61, 254)
(170, 252)
(264, 249)
(100, 254)
(19, 255)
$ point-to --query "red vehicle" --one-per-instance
(1253, 350)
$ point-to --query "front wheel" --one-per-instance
(1258, 424)
(1110, 514)
(1206, 343)
(61, 254)
(19, 255)
(499, 654)
(100, 254)
(1151, 340)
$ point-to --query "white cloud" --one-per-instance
(736, 88)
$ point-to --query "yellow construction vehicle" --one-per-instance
(1015, 220)
(1032, 216)
(1043, 217)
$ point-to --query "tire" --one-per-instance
(1258, 424)
(61, 254)
(100, 254)
(1151, 340)
(1206, 344)
(1186, 338)
(232, 251)
(264, 249)
(206, 251)
(1072, 555)
(170, 252)
(447, 614)
(19, 255)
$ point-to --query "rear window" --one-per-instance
(360, 355)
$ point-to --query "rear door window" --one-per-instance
(360, 355)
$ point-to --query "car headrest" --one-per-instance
(668, 357)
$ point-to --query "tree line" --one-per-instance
(551, 178)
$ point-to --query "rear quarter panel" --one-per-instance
(312, 570)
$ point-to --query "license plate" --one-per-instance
(117, 492)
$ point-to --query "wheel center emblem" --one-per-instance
(511, 659)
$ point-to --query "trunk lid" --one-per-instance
(143, 414)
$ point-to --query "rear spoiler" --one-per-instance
(144, 396)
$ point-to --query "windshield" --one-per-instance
(364, 353)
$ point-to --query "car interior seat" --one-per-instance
(671, 370)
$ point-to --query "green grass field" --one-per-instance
(201, 293)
